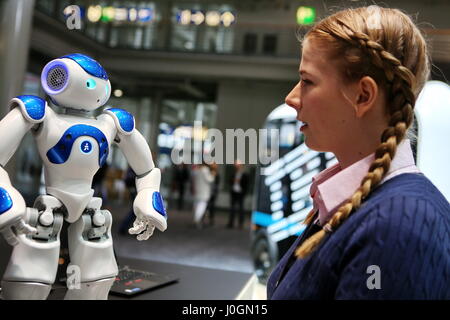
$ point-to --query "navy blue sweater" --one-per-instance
(401, 234)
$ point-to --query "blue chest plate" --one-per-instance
(61, 151)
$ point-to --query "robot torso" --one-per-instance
(72, 149)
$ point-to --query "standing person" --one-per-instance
(202, 178)
(98, 183)
(180, 177)
(129, 181)
(211, 208)
(238, 189)
(379, 228)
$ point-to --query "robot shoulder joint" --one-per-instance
(5, 201)
(32, 107)
(123, 119)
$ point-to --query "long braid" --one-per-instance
(400, 81)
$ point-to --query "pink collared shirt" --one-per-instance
(333, 186)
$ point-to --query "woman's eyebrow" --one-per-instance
(304, 72)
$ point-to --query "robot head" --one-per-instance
(76, 81)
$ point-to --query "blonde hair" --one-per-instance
(386, 45)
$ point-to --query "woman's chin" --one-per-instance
(315, 146)
(310, 144)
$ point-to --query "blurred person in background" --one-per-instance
(238, 189)
(98, 184)
(181, 177)
(211, 208)
(129, 180)
(203, 178)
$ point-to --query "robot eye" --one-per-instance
(91, 84)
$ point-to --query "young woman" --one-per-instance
(379, 228)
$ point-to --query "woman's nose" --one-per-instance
(293, 98)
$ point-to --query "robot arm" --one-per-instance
(27, 111)
(148, 205)
(13, 128)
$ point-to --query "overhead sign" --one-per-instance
(97, 13)
(210, 18)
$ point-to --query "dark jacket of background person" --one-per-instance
(243, 182)
(130, 183)
(181, 176)
(97, 183)
(237, 198)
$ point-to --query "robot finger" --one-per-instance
(9, 236)
(138, 227)
(147, 233)
(24, 228)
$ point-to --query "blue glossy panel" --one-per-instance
(88, 64)
(158, 204)
(61, 151)
(126, 119)
(5, 201)
(34, 106)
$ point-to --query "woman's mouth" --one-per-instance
(303, 125)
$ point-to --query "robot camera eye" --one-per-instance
(91, 84)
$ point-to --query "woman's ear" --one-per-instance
(366, 97)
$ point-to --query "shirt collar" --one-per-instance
(333, 186)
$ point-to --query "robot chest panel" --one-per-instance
(84, 151)
(78, 145)
(80, 142)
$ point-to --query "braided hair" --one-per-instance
(386, 45)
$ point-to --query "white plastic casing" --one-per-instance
(75, 93)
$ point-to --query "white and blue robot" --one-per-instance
(73, 146)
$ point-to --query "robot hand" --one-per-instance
(150, 213)
(13, 210)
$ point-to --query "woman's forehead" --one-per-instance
(315, 60)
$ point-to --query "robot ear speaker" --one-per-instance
(57, 77)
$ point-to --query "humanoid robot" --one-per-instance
(72, 146)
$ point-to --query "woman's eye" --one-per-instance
(306, 81)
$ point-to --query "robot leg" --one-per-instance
(13, 290)
(91, 255)
(34, 261)
(92, 290)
